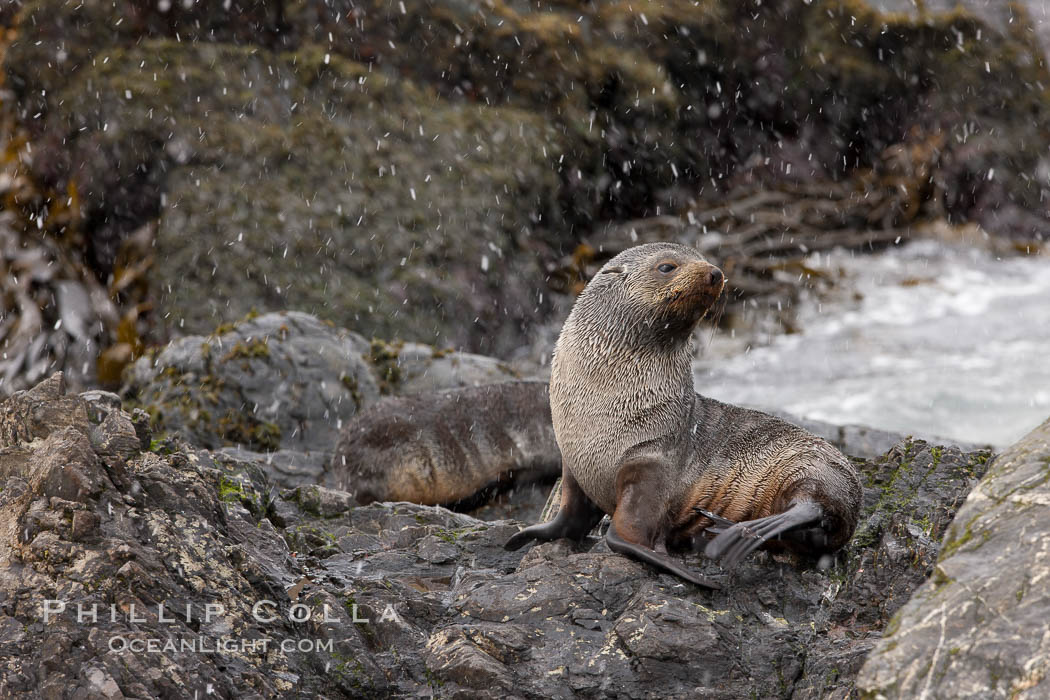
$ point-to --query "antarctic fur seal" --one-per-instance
(670, 466)
(450, 448)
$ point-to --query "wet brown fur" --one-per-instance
(443, 448)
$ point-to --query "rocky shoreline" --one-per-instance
(98, 509)
(175, 176)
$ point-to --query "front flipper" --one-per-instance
(640, 524)
(576, 517)
(737, 540)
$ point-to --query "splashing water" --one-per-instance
(943, 340)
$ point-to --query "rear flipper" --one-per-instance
(720, 524)
(734, 541)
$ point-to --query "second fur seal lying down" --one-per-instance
(670, 466)
(452, 448)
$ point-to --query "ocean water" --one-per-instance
(929, 338)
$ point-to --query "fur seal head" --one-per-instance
(656, 292)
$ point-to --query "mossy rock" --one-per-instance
(270, 382)
(337, 192)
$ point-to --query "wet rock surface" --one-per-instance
(977, 628)
(90, 516)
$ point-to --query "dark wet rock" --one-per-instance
(37, 412)
(853, 440)
(449, 612)
(977, 628)
(863, 441)
(412, 368)
(287, 468)
(78, 525)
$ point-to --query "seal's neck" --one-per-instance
(634, 363)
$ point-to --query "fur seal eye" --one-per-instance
(667, 267)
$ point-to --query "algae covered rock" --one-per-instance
(307, 181)
(285, 384)
(276, 380)
(977, 628)
(406, 169)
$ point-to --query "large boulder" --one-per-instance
(403, 600)
(977, 628)
(104, 544)
(285, 384)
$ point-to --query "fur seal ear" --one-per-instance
(616, 270)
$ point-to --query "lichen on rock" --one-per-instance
(949, 640)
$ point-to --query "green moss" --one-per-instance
(351, 385)
(892, 626)
(162, 446)
(955, 542)
(251, 349)
(453, 535)
(432, 679)
(210, 387)
(224, 328)
(312, 539)
(350, 673)
(250, 431)
(926, 524)
(977, 465)
(230, 490)
(447, 536)
(939, 578)
(889, 502)
(384, 357)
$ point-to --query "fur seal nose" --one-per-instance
(715, 276)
